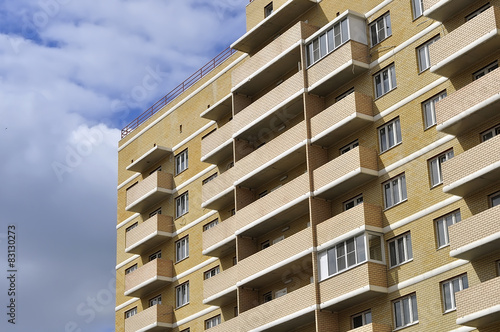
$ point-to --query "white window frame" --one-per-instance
(485, 70)
(390, 135)
(395, 191)
(182, 249)
(418, 8)
(353, 202)
(182, 295)
(328, 41)
(477, 12)
(181, 161)
(154, 256)
(410, 302)
(380, 29)
(155, 301)
(385, 81)
(211, 273)
(442, 224)
(181, 205)
(349, 147)
(211, 322)
(131, 269)
(423, 55)
(429, 109)
(366, 318)
(211, 224)
(449, 288)
(490, 133)
(402, 252)
(494, 198)
(131, 312)
(435, 167)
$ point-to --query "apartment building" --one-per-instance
(336, 169)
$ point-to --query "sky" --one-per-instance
(72, 74)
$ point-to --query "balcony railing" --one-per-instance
(149, 277)
(149, 234)
(474, 169)
(470, 106)
(467, 44)
(218, 146)
(221, 289)
(149, 191)
(220, 191)
(442, 10)
(220, 239)
(154, 319)
(476, 236)
(478, 305)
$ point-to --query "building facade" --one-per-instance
(336, 169)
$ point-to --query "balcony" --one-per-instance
(361, 283)
(271, 25)
(341, 119)
(156, 318)
(282, 314)
(218, 146)
(271, 62)
(149, 191)
(220, 191)
(221, 289)
(478, 305)
(148, 159)
(219, 240)
(476, 236)
(149, 234)
(149, 277)
(373, 327)
(442, 10)
(346, 172)
(470, 106)
(474, 169)
(467, 44)
(339, 67)
(219, 109)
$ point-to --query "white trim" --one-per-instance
(222, 72)
(147, 238)
(342, 123)
(149, 193)
(216, 104)
(125, 262)
(124, 183)
(285, 319)
(194, 268)
(463, 329)
(343, 178)
(466, 113)
(350, 234)
(377, 8)
(336, 72)
(216, 197)
(478, 314)
(434, 7)
(123, 305)
(475, 244)
(217, 149)
(218, 244)
(427, 275)
(471, 177)
(353, 293)
(332, 23)
(219, 294)
(156, 147)
(123, 223)
(157, 324)
(147, 282)
(195, 316)
(464, 50)
(195, 177)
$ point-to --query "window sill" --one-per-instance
(390, 207)
(408, 261)
(449, 310)
(443, 246)
(437, 185)
(403, 327)
(392, 147)
(385, 94)
(430, 127)
(182, 215)
(182, 306)
(182, 259)
(185, 169)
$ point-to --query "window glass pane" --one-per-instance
(375, 247)
(360, 248)
(465, 282)
(341, 263)
(329, 35)
(409, 250)
(403, 187)
(401, 250)
(373, 33)
(390, 134)
(351, 253)
(357, 321)
(315, 50)
(323, 265)
(368, 317)
(392, 71)
(322, 45)
(441, 229)
(414, 307)
(406, 311)
(332, 261)
(385, 80)
(398, 130)
(345, 31)
(447, 296)
(388, 197)
(392, 253)
(434, 172)
(398, 313)
(338, 37)
(378, 86)
(395, 191)
(388, 24)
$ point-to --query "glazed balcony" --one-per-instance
(218, 146)
(361, 283)
(372, 327)
(442, 10)
(155, 318)
(148, 159)
(346, 172)
(149, 234)
(221, 289)
(149, 277)
(473, 169)
(219, 240)
(271, 25)
(467, 44)
(219, 109)
(476, 236)
(477, 306)
(337, 68)
(149, 191)
(470, 106)
(220, 191)
(341, 119)
(282, 314)
(271, 62)
(357, 219)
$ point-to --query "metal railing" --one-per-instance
(190, 81)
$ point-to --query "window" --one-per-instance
(477, 12)
(488, 69)
(155, 256)
(155, 212)
(495, 199)
(130, 313)
(155, 300)
(182, 295)
(230, 165)
(182, 249)
(268, 9)
(450, 287)
(131, 269)
(268, 297)
(212, 272)
(395, 191)
(405, 311)
(235, 313)
(424, 59)
(131, 227)
(211, 224)
(429, 109)
(211, 322)
(181, 162)
(418, 8)
(327, 42)
(361, 319)
(210, 178)
(235, 260)
(380, 29)
(186, 330)
(262, 194)
(400, 250)
(353, 202)
(442, 225)
(390, 135)
(279, 239)
(349, 147)
(385, 81)
(280, 293)
(435, 167)
(181, 205)
(490, 133)
(345, 94)
(265, 244)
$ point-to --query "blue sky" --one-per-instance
(70, 76)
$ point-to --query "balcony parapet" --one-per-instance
(149, 234)
(372, 327)
(149, 277)
(149, 191)
(218, 192)
(153, 319)
(150, 158)
(478, 306)
(218, 146)
(442, 10)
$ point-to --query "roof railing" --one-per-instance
(190, 81)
